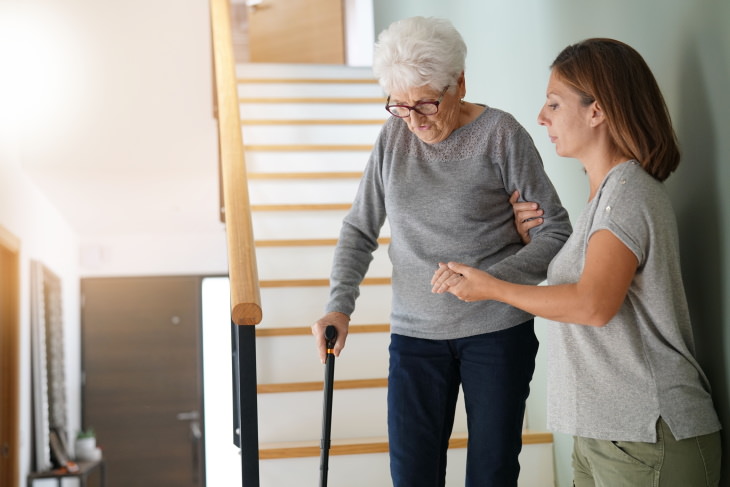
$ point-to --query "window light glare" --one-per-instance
(38, 62)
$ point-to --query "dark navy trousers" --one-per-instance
(494, 371)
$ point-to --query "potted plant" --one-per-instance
(86, 445)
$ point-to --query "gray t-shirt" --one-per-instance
(613, 382)
(448, 201)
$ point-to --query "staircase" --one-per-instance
(307, 133)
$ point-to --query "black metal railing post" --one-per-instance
(246, 398)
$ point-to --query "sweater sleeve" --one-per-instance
(358, 237)
(523, 170)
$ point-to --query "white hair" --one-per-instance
(419, 51)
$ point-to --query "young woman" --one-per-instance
(622, 376)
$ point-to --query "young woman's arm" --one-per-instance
(593, 300)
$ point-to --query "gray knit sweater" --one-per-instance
(448, 201)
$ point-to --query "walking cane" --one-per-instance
(330, 337)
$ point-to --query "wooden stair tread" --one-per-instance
(316, 121)
(354, 446)
(302, 207)
(319, 386)
(306, 330)
(313, 100)
(306, 175)
(307, 147)
(244, 80)
(368, 281)
(310, 242)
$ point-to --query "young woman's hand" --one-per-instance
(528, 215)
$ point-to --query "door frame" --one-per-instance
(9, 357)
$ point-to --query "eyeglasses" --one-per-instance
(426, 108)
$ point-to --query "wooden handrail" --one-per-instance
(243, 273)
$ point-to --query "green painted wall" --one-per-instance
(687, 45)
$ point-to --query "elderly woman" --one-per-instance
(443, 171)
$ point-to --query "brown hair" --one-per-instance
(615, 75)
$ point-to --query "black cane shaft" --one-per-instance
(330, 336)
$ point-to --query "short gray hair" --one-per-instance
(419, 51)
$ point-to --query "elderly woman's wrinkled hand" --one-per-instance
(443, 278)
(341, 322)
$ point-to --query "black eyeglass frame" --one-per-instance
(414, 107)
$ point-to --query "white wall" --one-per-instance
(154, 254)
(687, 45)
(44, 236)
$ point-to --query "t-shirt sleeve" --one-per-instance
(624, 214)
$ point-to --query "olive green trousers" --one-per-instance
(693, 462)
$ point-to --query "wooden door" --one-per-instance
(9, 359)
(296, 31)
(142, 392)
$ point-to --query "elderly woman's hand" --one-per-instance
(464, 282)
(528, 215)
(442, 278)
(341, 322)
